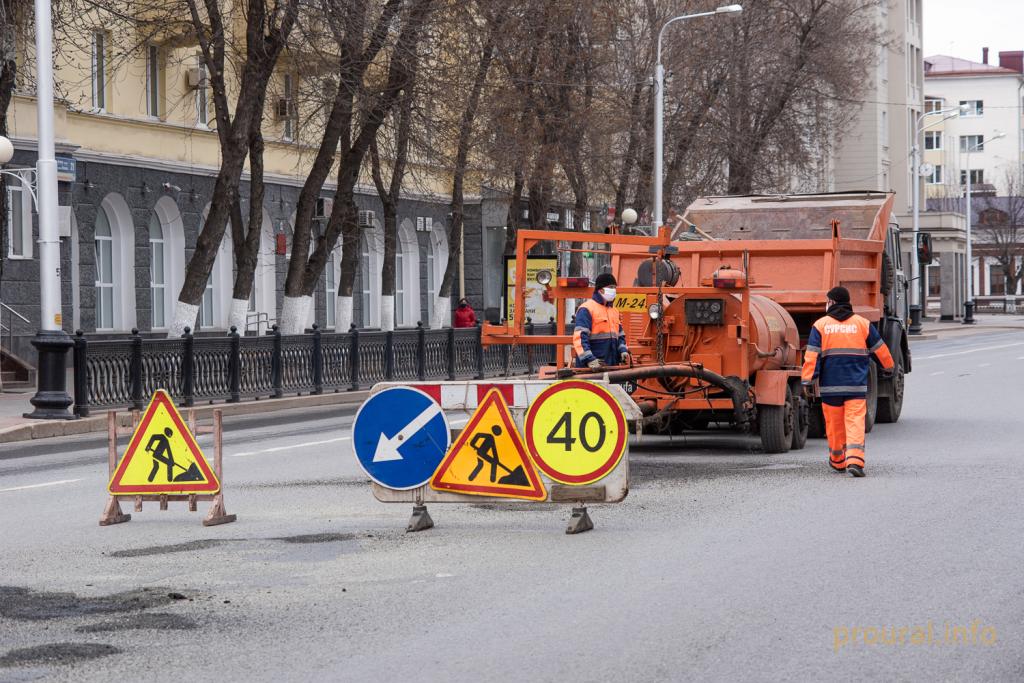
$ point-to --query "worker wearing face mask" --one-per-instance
(598, 339)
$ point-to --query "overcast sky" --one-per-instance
(960, 28)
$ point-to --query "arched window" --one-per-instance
(400, 297)
(104, 272)
(407, 276)
(431, 278)
(331, 285)
(157, 272)
(364, 279)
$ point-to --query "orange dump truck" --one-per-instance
(717, 310)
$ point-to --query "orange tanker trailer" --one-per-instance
(717, 310)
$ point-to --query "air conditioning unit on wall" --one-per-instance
(197, 77)
(366, 219)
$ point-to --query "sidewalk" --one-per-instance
(986, 322)
(15, 427)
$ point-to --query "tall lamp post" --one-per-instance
(917, 294)
(659, 105)
(969, 302)
(52, 343)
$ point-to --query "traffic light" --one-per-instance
(924, 248)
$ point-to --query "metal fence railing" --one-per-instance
(125, 372)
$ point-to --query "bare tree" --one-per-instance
(1001, 227)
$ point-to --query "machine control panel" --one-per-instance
(705, 312)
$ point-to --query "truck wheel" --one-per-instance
(775, 424)
(890, 407)
(872, 399)
(815, 421)
(800, 422)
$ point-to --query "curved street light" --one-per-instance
(659, 104)
(969, 302)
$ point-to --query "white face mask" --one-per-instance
(609, 294)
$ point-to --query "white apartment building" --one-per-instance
(874, 153)
(993, 98)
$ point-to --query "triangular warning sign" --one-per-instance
(163, 456)
(488, 458)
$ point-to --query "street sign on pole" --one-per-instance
(399, 437)
(576, 432)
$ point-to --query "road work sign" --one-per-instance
(576, 432)
(400, 436)
(163, 456)
(488, 458)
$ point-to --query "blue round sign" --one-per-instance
(399, 436)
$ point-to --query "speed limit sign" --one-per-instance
(576, 432)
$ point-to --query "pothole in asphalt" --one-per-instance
(158, 621)
(165, 549)
(316, 538)
(22, 603)
(57, 653)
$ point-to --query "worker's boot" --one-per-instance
(855, 470)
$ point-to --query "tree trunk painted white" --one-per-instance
(294, 314)
(343, 313)
(387, 312)
(184, 316)
(237, 316)
(441, 316)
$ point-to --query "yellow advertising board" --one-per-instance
(537, 309)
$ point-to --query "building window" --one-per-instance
(202, 96)
(974, 107)
(972, 143)
(331, 282)
(287, 105)
(977, 176)
(153, 80)
(19, 220)
(936, 177)
(885, 128)
(99, 70)
(364, 276)
(932, 139)
(996, 281)
(431, 279)
(206, 308)
(158, 272)
(104, 240)
(933, 104)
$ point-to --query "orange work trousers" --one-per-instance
(844, 426)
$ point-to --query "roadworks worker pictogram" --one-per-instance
(170, 462)
(489, 458)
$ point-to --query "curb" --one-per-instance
(45, 429)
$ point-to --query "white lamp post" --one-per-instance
(969, 303)
(659, 106)
(51, 400)
(917, 297)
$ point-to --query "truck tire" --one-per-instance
(871, 399)
(815, 421)
(775, 424)
(801, 412)
(890, 407)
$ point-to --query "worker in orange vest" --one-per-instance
(598, 339)
(838, 356)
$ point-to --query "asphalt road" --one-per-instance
(722, 564)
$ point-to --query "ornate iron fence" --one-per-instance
(125, 372)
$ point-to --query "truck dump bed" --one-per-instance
(796, 247)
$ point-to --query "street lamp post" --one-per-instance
(969, 302)
(51, 400)
(917, 294)
(659, 105)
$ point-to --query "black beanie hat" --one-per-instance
(841, 295)
(604, 280)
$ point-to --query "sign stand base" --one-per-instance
(580, 521)
(112, 513)
(420, 520)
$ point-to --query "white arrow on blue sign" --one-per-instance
(400, 435)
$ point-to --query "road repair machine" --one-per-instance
(717, 309)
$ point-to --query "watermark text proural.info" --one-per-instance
(930, 633)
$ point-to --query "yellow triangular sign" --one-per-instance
(163, 456)
(488, 458)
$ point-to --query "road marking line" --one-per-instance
(974, 350)
(39, 486)
(984, 365)
(940, 372)
(277, 449)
